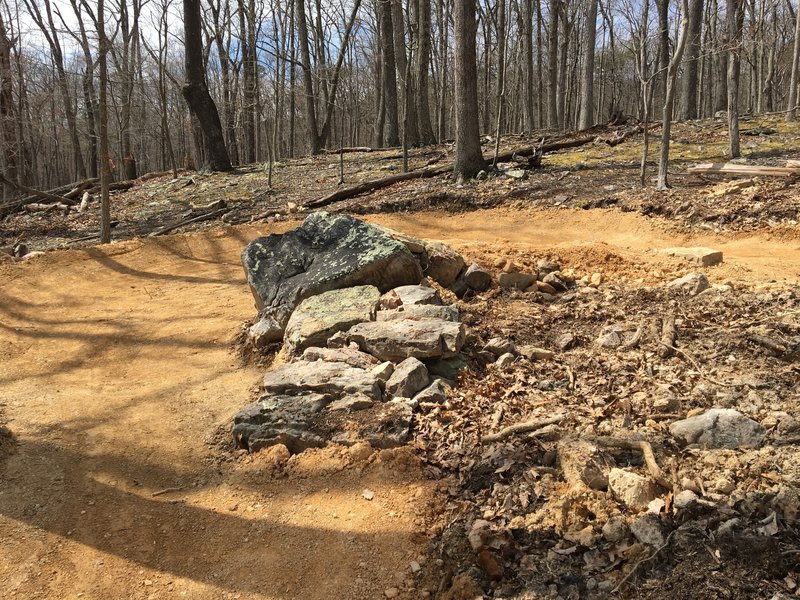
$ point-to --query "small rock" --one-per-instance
(616, 529)
(724, 485)
(415, 567)
(391, 592)
(490, 565)
(520, 281)
(478, 278)
(444, 263)
(609, 340)
(684, 499)
(535, 353)
(409, 377)
(548, 266)
(383, 371)
(338, 340)
(648, 530)
(583, 537)
(435, 393)
(368, 494)
(417, 294)
(267, 330)
(705, 257)
(505, 360)
(582, 463)
(553, 280)
(390, 300)
(719, 428)
(499, 346)
(691, 283)
(565, 341)
(546, 288)
(632, 489)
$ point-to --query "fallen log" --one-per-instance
(204, 217)
(353, 149)
(371, 186)
(32, 192)
(750, 170)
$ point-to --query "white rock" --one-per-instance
(631, 488)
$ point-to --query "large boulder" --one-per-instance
(327, 252)
(319, 317)
(328, 378)
(398, 340)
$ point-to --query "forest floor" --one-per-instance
(118, 383)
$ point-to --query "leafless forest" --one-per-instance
(296, 78)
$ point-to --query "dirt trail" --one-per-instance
(114, 371)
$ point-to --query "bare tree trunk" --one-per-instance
(105, 159)
(389, 74)
(735, 20)
(195, 91)
(526, 27)
(422, 64)
(552, 65)
(8, 137)
(689, 79)
(794, 79)
(669, 95)
(586, 119)
(469, 158)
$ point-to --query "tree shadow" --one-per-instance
(99, 503)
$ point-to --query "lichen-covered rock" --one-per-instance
(320, 377)
(317, 318)
(327, 252)
(398, 340)
(279, 419)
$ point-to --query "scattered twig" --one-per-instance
(168, 490)
(668, 335)
(204, 217)
(644, 560)
(518, 428)
(700, 370)
(647, 451)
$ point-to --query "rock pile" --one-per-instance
(366, 345)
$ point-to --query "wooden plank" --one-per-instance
(751, 170)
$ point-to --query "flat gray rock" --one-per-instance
(398, 340)
(705, 257)
(326, 252)
(351, 356)
(417, 295)
(691, 283)
(328, 378)
(435, 393)
(409, 377)
(719, 428)
(279, 419)
(445, 312)
(317, 318)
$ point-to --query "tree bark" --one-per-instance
(735, 18)
(669, 95)
(422, 62)
(389, 67)
(195, 91)
(794, 80)
(689, 80)
(469, 159)
(586, 119)
(552, 66)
